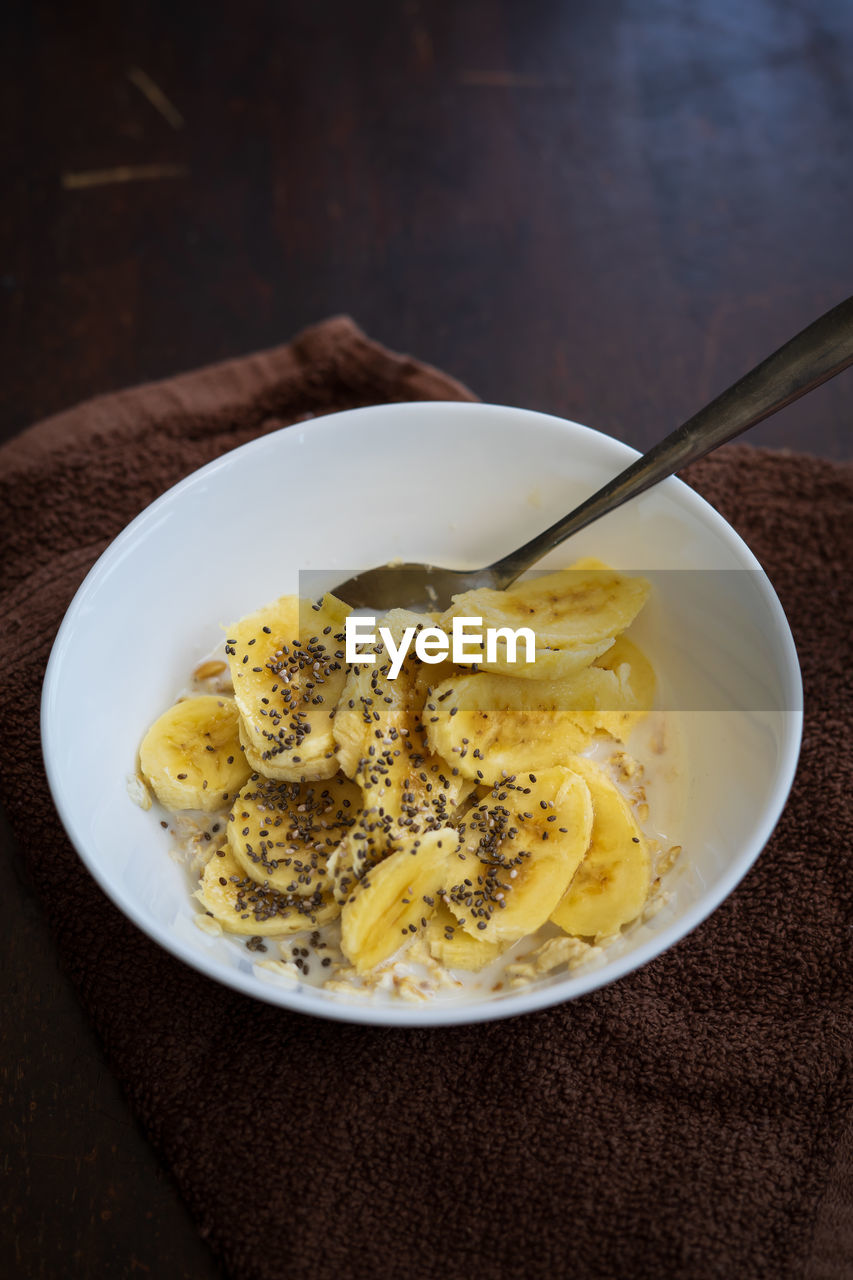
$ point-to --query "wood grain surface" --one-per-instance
(606, 211)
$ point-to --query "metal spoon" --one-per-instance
(816, 354)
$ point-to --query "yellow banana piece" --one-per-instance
(245, 907)
(191, 756)
(455, 947)
(575, 613)
(612, 884)
(282, 833)
(381, 740)
(492, 725)
(396, 898)
(288, 669)
(636, 678)
(373, 837)
(523, 844)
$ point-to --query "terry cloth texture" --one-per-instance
(692, 1120)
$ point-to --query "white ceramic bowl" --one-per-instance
(456, 485)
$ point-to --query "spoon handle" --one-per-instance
(816, 354)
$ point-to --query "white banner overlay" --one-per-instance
(434, 645)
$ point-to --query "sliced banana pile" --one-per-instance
(448, 802)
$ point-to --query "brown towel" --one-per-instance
(691, 1120)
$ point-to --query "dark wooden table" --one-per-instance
(607, 211)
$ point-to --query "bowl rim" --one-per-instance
(305, 999)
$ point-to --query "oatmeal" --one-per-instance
(421, 828)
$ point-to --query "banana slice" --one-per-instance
(612, 883)
(287, 666)
(282, 833)
(455, 947)
(372, 838)
(523, 845)
(574, 613)
(636, 678)
(395, 899)
(493, 725)
(243, 906)
(381, 740)
(191, 756)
